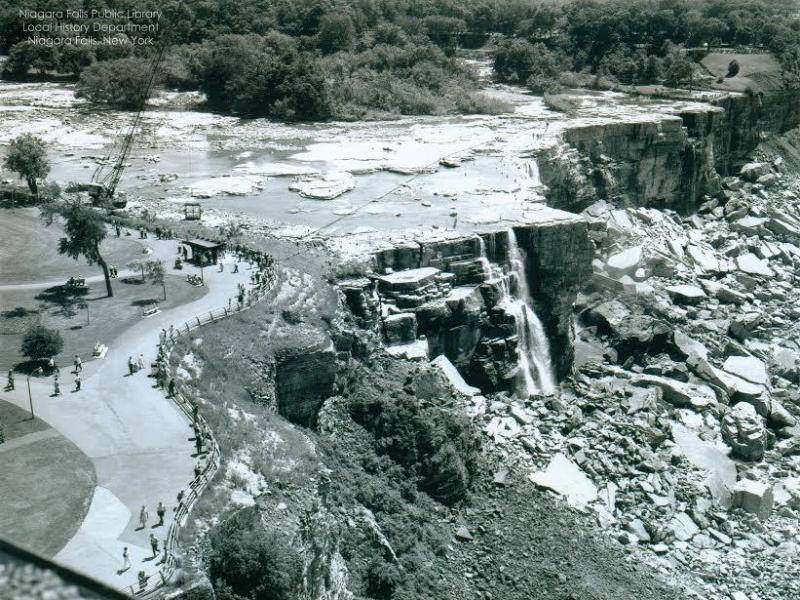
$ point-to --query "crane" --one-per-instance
(106, 177)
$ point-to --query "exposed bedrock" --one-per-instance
(449, 296)
(662, 161)
(304, 378)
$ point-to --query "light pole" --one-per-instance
(30, 397)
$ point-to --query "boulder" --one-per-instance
(752, 265)
(723, 293)
(566, 479)
(754, 497)
(742, 327)
(678, 393)
(683, 527)
(748, 368)
(625, 262)
(688, 346)
(749, 225)
(753, 170)
(704, 259)
(400, 328)
(686, 294)
(744, 431)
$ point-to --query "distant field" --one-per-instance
(761, 71)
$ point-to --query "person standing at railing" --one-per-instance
(154, 544)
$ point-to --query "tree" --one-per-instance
(27, 156)
(85, 231)
(120, 83)
(336, 32)
(154, 271)
(40, 343)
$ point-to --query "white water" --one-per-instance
(536, 367)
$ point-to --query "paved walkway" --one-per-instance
(137, 439)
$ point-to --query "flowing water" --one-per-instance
(536, 374)
(536, 367)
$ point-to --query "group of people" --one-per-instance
(144, 516)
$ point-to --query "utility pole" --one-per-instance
(30, 397)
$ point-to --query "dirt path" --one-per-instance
(138, 441)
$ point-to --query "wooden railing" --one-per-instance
(213, 459)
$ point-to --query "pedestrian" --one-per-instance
(10, 384)
(140, 362)
(143, 516)
(51, 364)
(195, 410)
(77, 382)
(197, 469)
(161, 511)
(126, 559)
(78, 364)
(56, 387)
(198, 443)
(236, 267)
(221, 266)
(142, 580)
(131, 366)
(171, 388)
(119, 231)
(180, 497)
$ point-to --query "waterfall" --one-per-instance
(536, 368)
(484, 260)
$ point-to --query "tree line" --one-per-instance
(316, 59)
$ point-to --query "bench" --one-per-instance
(149, 311)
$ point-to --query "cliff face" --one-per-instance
(446, 296)
(663, 161)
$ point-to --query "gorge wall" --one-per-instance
(663, 161)
(450, 296)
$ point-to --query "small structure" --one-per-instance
(192, 211)
(204, 251)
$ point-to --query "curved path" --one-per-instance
(137, 439)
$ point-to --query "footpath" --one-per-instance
(138, 440)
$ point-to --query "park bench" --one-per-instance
(150, 310)
(76, 283)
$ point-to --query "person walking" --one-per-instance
(78, 364)
(10, 384)
(131, 366)
(154, 544)
(140, 362)
(197, 469)
(56, 387)
(126, 559)
(143, 516)
(161, 511)
(77, 382)
(171, 388)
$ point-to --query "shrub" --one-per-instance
(40, 343)
(733, 68)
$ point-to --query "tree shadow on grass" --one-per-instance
(65, 299)
(133, 280)
(19, 312)
(145, 302)
(30, 367)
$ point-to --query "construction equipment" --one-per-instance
(106, 177)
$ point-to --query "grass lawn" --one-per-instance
(58, 308)
(17, 422)
(51, 474)
(762, 70)
(28, 252)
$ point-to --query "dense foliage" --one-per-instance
(40, 343)
(243, 566)
(311, 59)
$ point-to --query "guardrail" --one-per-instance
(197, 486)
